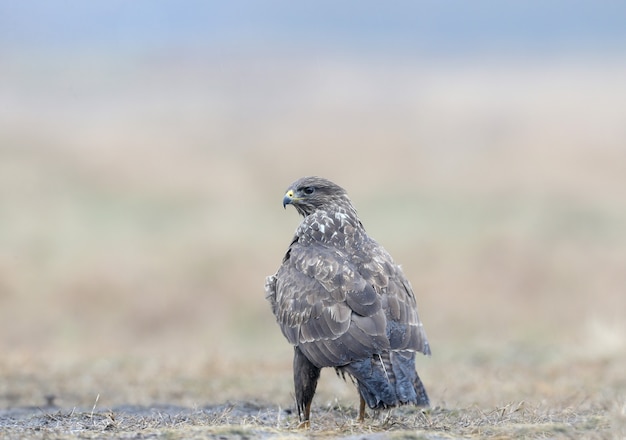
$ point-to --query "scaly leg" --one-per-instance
(361, 409)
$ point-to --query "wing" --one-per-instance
(404, 328)
(325, 307)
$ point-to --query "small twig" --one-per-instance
(502, 414)
(48, 415)
(94, 406)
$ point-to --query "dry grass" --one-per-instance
(140, 212)
(263, 420)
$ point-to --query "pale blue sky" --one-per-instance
(424, 27)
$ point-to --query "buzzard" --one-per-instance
(342, 302)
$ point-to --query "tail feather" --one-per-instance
(388, 379)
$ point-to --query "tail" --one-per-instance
(388, 379)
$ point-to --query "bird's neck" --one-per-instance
(334, 226)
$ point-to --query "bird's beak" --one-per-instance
(288, 199)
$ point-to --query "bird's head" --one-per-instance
(309, 194)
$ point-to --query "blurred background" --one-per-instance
(145, 147)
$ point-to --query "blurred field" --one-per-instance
(140, 212)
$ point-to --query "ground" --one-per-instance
(579, 399)
(140, 211)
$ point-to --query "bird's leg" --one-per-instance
(361, 418)
(305, 376)
(305, 421)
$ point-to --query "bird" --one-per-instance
(342, 302)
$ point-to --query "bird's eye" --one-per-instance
(308, 190)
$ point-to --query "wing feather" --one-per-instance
(404, 327)
(364, 301)
(326, 307)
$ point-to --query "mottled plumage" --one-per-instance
(342, 302)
